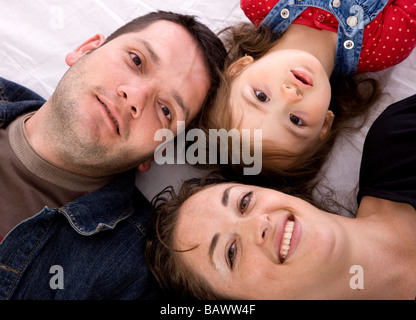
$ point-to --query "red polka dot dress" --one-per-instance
(388, 39)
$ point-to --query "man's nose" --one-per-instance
(136, 97)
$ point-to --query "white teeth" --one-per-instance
(287, 236)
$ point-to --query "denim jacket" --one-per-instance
(352, 15)
(91, 248)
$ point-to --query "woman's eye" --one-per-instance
(166, 112)
(261, 96)
(231, 254)
(245, 201)
(136, 60)
(296, 120)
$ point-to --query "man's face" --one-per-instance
(108, 106)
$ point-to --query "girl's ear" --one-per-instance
(239, 65)
(326, 128)
(89, 45)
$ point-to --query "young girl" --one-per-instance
(293, 78)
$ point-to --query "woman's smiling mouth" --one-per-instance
(287, 236)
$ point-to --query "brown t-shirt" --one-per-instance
(28, 182)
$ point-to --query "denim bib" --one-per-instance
(352, 16)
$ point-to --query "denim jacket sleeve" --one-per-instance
(16, 100)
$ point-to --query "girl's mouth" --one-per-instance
(301, 78)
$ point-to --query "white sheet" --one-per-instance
(35, 36)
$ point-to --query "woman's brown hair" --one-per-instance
(173, 275)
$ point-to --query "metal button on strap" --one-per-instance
(336, 3)
(321, 18)
(352, 21)
(349, 44)
(284, 13)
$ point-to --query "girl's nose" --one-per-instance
(291, 92)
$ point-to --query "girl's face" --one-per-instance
(286, 93)
(256, 243)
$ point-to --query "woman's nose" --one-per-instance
(260, 227)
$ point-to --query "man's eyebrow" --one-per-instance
(152, 53)
(156, 60)
(181, 104)
(214, 242)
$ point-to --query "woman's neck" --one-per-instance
(385, 247)
(320, 43)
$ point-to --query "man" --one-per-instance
(71, 220)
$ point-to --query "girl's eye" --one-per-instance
(166, 112)
(136, 60)
(296, 120)
(231, 254)
(245, 201)
(261, 96)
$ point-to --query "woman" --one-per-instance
(247, 242)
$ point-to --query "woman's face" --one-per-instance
(256, 243)
(286, 93)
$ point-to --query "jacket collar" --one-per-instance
(104, 208)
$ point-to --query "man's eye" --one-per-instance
(245, 201)
(166, 112)
(296, 120)
(136, 60)
(261, 96)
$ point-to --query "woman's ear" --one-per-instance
(89, 45)
(326, 128)
(239, 65)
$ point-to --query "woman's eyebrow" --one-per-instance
(214, 241)
(211, 250)
(225, 196)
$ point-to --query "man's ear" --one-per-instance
(239, 65)
(89, 45)
(326, 128)
(145, 166)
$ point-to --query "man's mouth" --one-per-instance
(111, 116)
